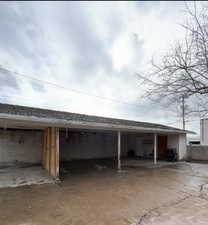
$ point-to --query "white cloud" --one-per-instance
(92, 47)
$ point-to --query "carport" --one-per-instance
(63, 136)
(89, 144)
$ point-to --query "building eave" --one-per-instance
(9, 120)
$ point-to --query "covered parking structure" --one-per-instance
(32, 135)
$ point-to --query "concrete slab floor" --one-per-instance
(145, 163)
(18, 176)
(174, 194)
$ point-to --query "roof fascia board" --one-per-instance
(89, 125)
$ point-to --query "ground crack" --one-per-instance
(156, 211)
(201, 194)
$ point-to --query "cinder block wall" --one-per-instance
(204, 132)
(173, 142)
(20, 146)
(87, 145)
(198, 152)
(144, 144)
(178, 141)
(24, 146)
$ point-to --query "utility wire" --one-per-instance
(10, 72)
(177, 121)
(62, 87)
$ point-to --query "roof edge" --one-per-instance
(73, 123)
(95, 116)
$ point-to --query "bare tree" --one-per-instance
(183, 71)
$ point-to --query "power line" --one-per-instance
(191, 121)
(10, 72)
(177, 121)
(24, 100)
(62, 87)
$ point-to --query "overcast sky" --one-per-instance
(94, 48)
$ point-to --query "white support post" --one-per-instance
(119, 150)
(155, 149)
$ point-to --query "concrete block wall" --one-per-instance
(20, 146)
(173, 142)
(178, 141)
(25, 145)
(144, 144)
(87, 145)
(198, 152)
(204, 131)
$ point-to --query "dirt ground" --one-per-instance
(170, 195)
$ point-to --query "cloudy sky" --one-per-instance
(88, 54)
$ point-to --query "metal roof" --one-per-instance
(67, 119)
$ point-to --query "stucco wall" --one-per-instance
(20, 146)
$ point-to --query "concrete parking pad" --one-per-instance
(15, 176)
(173, 194)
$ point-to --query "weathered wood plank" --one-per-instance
(57, 152)
(50, 151)
(43, 149)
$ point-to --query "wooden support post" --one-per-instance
(57, 151)
(50, 151)
(43, 149)
(119, 150)
(155, 149)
